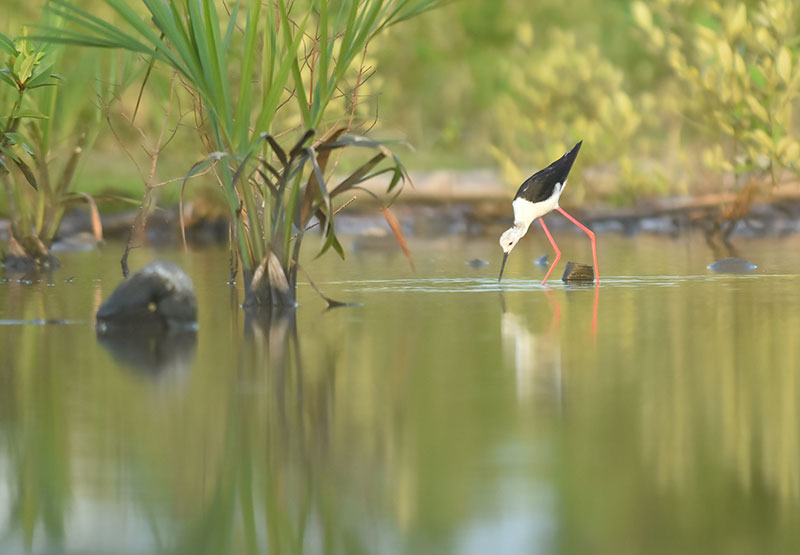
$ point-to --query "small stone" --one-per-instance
(374, 239)
(477, 263)
(732, 266)
(80, 242)
(577, 272)
(542, 261)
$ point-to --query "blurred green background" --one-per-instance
(670, 97)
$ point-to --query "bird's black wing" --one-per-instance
(539, 186)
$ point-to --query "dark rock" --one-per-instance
(375, 239)
(25, 265)
(732, 266)
(477, 263)
(577, 272)
(80, 242)
(158, 294)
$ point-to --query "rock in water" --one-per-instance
(159, 293)
(732, 266)
(577, 272)
(542, 261)
(477, 263)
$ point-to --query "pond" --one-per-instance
(659, 413)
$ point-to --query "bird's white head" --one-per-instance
(510, 238)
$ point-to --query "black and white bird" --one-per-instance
(537, 196)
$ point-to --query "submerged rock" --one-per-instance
(578, 272)
(79, 242)
(15, 264)
(732, 266)
(542, 261)
(374, 239)
(158, 294)
(477, 263)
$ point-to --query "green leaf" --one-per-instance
(31, 114)
(300, 89)
(23, 167)
(7, 45)
(330, 238)
(757, 76)
(26, 171)
(270, 103)
(357, 176)
(757, 108)
(737, 21)
(725, 55)
(25, 68)
(5, 77)
(20, 140)
(243, 109)
(40, 77)
(320, 182)
(784, 64)
(642, 15)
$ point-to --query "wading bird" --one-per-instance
(537, 196)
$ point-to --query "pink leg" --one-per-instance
(594, 309)
(555, 248)
(588, 232)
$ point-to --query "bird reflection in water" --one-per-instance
(536, 353)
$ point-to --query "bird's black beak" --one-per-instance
(503, 265)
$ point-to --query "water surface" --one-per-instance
(444, 414)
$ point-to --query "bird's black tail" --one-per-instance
(539, 186)
(559, 170)
(567, 160)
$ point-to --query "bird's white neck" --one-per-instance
(525, 211)
(520, 228)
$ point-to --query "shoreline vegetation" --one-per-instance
(689, 111)
(469, 202)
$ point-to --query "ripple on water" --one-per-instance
(41, 322)
(479, 285)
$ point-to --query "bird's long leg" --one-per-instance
(555, 248)
(588, 232)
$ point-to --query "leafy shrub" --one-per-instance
(44, 130)
(737, 74)
(243, 68)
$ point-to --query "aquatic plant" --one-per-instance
(243, 68)
(45, 128)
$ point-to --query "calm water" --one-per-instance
(657, 414)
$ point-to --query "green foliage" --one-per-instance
(43, 132)
(736, 70)
(579, 94)
(517, 84)
(655, 89)
(239, 67)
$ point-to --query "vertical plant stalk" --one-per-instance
(149, 185)
(237, 100)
